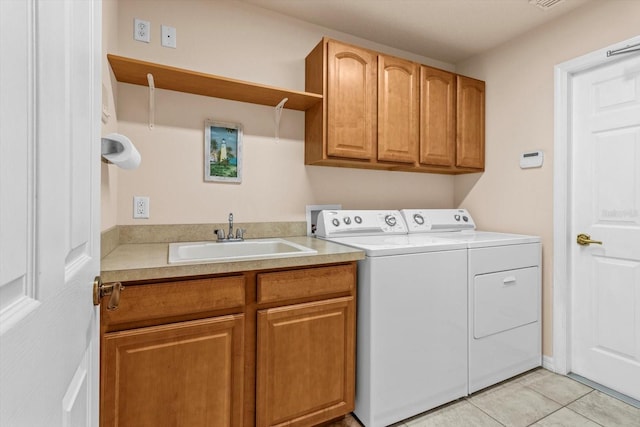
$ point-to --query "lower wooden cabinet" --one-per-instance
(305, 365)
(266, 348)
(180, 374)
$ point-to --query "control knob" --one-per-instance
(390, 220)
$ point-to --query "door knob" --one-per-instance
(585, 240)
(101, 289)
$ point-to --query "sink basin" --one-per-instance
(235, 251)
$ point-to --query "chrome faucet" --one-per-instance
(230, 238)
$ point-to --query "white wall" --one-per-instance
(519, 109)
(247, 43)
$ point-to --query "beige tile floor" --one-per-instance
(538, 398)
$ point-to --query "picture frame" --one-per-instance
(222, 152)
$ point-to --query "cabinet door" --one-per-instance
(437, 117)
(351, 101)
(398, 112)
(305, 363)
(470, 123)
(181, 374)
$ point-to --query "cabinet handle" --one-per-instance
(101, 289)
(509, 279)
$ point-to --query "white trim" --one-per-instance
(548, 363)
(562, 172)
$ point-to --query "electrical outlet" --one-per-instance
(168, 35)
(141, 30)
(140, 207)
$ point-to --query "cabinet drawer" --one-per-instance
(171, 299)
(305, 283)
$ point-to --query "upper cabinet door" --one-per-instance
(470, 123)
(351, 101)
(398, 110)
(437, 117)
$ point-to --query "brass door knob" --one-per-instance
(102, 289)
(585, 240)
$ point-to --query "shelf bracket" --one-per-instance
(152, 103)
(279, 108)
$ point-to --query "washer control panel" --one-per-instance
(434, 220)
(334, 223)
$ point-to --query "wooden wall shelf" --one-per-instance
(128, 70)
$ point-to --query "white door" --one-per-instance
(606, 206)
(49, 211)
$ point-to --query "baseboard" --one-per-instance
(547, 363)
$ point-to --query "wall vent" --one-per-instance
(545, 4)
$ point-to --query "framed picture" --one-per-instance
(222, 152)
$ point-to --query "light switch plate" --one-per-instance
(168, 35)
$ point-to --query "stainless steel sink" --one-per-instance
(235, 251)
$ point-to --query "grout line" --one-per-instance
(585, 415)
(552, 399)
(483, 411)
(548, 415)
(606, 390)
(569, 409)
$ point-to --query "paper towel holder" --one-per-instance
(114, 144)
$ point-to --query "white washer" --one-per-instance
(412, 315)
(504, 280)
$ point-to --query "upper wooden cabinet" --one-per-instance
(437, 117)
(351, 75)
(348, 75)
(421, 120)
(398, 113)
(470, 123)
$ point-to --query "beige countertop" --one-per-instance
(148, 261)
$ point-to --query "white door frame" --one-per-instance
(562, 172)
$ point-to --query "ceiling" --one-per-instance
(445, 30)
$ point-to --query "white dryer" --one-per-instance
(411, 317)
(504, 294)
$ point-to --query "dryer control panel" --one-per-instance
(344, 223)
(436, 220)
